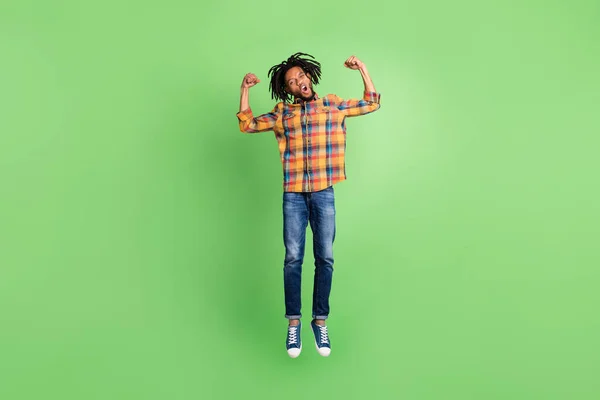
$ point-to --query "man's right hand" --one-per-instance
(249, 80)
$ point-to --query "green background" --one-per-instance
(140, 232)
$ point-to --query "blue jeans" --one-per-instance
(299, 209)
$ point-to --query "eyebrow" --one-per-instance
(300, 73)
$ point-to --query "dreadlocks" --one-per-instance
(277, 74)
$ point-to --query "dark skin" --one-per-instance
(251, 79)
(298, 84)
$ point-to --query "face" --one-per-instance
(298, 84)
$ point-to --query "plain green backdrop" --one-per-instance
(140, 232)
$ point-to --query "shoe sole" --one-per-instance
(322, 355)
(296, 356)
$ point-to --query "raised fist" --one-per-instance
(353, 63)
(249, 80)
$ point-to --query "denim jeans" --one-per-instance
(299, 209)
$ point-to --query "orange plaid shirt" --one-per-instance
(311, 137)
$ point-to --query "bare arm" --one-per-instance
(355, 63)
(247, 121)
(249, 80)
(370, 99)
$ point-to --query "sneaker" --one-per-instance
(293, 344)
(321, 339)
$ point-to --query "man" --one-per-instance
(311, 134)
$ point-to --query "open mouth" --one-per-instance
(304, 89)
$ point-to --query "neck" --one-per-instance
(302, 100)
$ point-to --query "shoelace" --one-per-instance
(324, 337)
(292, 338)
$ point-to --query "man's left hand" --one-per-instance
(353, 63)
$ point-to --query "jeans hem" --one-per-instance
(320, 316)
(293, 316)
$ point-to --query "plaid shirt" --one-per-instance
(311, 137)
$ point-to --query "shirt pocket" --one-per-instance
(324, 114)
(291, 124)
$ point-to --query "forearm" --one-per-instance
(369, 87)
(244, 99)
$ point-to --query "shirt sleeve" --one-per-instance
(355, 107)
(262, 123)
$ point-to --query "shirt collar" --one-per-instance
(299, 100)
